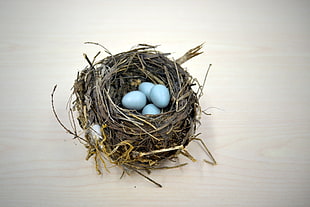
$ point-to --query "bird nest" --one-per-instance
(127, 138)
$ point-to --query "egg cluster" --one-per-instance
(150, 98)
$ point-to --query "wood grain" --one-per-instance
(257, 92)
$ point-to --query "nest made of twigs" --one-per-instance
(128, 138)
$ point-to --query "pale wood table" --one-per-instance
(258, 91)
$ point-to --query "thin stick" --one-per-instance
(188, 155)
(149, 179)
(143, 120)
(204, 82)
(170, 167)
(87, 59)
(57, 118)
(95, 57)
(105, 49)
(181, 147)
(208, 151)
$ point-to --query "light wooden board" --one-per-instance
(257, 92)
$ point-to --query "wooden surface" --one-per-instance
(257, 92)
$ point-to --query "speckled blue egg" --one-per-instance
(146, 88)
(150, 109)
(134, 100)
(160, 96)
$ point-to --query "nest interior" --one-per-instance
(128, 138)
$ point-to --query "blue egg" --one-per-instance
(160, 96)
(150, 109)
(134, 100)
(146, 88)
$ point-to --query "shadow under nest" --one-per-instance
(129, 139)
